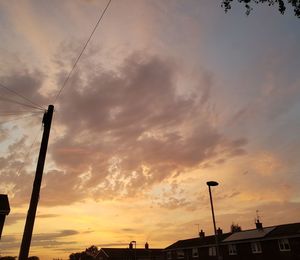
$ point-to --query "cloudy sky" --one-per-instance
(168, 95)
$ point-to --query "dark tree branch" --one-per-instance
(281, 5)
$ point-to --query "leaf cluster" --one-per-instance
(89, 254)
(14, 258)
(281, 4)
(235, 228)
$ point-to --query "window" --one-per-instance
(232, 250)
(195, 252)
(180, 254)
(256, 247)
(212, 251)
(169, 255)
(284, 245)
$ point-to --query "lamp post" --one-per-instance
(212, 184)
(134, 242)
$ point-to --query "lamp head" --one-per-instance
(212, 183)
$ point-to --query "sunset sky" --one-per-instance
(168, 95)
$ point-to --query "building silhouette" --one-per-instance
(130, 253)
(281, 242)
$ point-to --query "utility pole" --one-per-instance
(27, 235)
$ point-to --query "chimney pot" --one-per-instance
(146, 245)
(201, 234)
(219, 232)
(259, 225)
(130, 245)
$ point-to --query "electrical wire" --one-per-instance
(20, 103)
(15, 113)
(19, 95)
(80, 54)
(18, 118)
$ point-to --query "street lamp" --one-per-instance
(212, 184)
(134, 242)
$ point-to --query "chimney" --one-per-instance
(219, 232)
(146, 245)
(130, 245)
(201, 234)
(259, 225)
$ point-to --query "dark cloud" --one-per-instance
(17, 166)
(47, 215)
(129, 230)
(13, 218)
(68, 249)
(46, 240)
(174, 203)
(129, 129)
(275, 100)
(4, 133)
(16, 162)
(181, 199)
(22, 92)
(51, 236)
(123, 132)
(9, 239)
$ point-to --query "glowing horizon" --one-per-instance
(167, 96)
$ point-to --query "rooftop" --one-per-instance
(284, 230)
(198, 241)
(249, 234)
(140, 252)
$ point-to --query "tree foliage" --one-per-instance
(281, 4)
(14, 258)
(89, 254)
(92, 250)
(235, 228)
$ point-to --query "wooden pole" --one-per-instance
(27, 235)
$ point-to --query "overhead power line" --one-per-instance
(19, 95)
(18, 118)
(16, 113)
(83, 49)
(20, 103)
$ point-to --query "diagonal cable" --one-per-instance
(20, 103)
(80, 54)
(18, 118)
(17, 113)
(19, 95)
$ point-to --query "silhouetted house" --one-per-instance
(194, 248)
(280, 242)
(130, 253)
